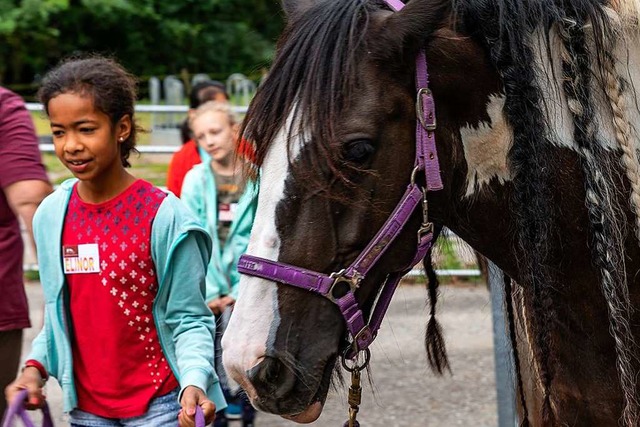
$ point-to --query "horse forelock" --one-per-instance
(313, 76)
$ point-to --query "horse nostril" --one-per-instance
(270, 370)
(272, 377)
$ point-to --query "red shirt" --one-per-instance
(187, 157)
(19, 160)
(246, 150)
(182, 161)
(118, 362)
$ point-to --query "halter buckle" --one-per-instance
(431, 124)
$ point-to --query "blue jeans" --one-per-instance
(162, 412)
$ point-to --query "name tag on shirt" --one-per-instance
(227, 212)
(79, 259)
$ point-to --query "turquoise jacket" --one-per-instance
(180, 249)
(199, 193)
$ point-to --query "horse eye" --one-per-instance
(358, 150)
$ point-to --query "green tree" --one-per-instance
(151, 37)
(26, 35)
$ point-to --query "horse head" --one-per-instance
(334, 126)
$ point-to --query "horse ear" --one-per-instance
(411, 26)
(296, 7)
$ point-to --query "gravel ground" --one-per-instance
(402, 392)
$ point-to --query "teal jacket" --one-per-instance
(180, 249)
(199, 193)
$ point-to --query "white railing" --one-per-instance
(142, 108)
(148, 149)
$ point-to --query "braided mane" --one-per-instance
(588, 31)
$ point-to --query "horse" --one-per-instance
(536, 137)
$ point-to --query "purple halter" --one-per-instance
(340, 287)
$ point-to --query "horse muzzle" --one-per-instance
(274, 387)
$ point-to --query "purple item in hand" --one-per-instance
(199, 417)
(17, 411)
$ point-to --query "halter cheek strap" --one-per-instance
(340, 287)
(426, 153)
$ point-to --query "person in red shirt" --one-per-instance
(23, 185)
(189, 154)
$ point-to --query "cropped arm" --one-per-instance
(239, 248)
(24, 197)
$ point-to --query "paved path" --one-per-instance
(403, 391)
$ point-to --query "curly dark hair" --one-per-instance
(112, 88)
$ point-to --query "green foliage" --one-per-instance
(151, 37)
(449, 257)
(31, 275)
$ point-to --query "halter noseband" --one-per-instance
(340, 287)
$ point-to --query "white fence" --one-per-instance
(164, 123)
(160, 109)
(143, 149)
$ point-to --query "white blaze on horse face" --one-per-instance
(255, 318)
(486, 146)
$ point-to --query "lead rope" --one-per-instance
(355, 390)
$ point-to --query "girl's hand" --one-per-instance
(31, 381)
(218, 305)
(192, 397)
(226, 301)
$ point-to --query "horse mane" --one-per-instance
(629, 12)
(588, 31)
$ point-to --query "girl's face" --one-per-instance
(85, 140)
(215, 134)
